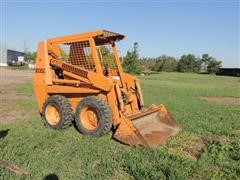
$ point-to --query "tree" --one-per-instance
(205, 60)
(189, 63)
(149, 64)
(30, 56)
(107, 57)
(166, 63)
(213, 66)
(131, 61)
(210, 64)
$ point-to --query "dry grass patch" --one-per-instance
(222, 100)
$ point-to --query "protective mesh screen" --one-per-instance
(107, 59)
(78, 53)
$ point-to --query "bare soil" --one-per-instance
(14, 76)
(9, 97)
(222, 100)
(198, 147)
(13, 168)
(194, 147)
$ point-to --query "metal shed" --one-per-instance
(229, 72)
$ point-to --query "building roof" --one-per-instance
(226, 68)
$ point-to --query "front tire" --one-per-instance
(57, 112)
(93, 116)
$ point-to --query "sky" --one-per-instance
(169, 27)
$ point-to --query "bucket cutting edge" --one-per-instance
(149, 128)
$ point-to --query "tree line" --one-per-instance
(132, 63)
(186, 63)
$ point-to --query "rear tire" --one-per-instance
(93, 116)
(57, 112)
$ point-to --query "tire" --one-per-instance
(57, 112)
(100, 120)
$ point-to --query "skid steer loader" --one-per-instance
(80, 78)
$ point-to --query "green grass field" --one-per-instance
(207, 148)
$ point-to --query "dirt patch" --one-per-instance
(11, 76)
(237, 130)
(121, 174)
(195, 149)
(222, 100)
(14, 115)
(10, 109)
(189, 145)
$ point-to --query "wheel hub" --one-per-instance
(52, 114)
(89, 118)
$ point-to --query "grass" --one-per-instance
(67, 154)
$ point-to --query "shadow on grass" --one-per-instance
(4, 133)
(52, 176)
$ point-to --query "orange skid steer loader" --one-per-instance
(80, 78)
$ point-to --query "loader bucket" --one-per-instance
(148, 128)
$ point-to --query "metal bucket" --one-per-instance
(148, 128)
